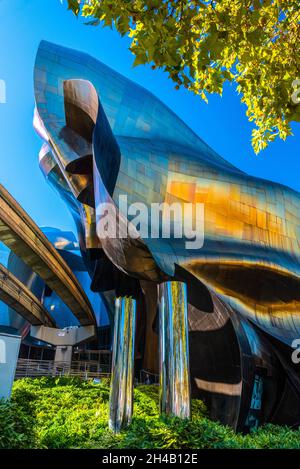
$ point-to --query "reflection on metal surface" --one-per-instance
(219, 388)
(174, 350)
(88, 221)
(81, 107)
(121, 391)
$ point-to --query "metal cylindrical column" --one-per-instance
(122, 375)
(174, 350)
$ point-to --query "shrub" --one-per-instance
(16, 427)
(70, 413)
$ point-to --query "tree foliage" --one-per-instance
(202, 44)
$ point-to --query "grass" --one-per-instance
(69, 413)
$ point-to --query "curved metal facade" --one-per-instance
(104, 136)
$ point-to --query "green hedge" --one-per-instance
(69, 413)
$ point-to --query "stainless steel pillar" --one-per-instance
(174, 350)
(122, 376)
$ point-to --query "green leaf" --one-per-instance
(74, 6)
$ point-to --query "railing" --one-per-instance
(27, 368)
(148, 378)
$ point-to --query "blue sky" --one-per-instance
(222, 123)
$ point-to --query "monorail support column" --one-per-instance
(64, 340)
(174, 350)
(122, 375)
(63, 355)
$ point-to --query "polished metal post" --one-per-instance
(174, 350)
(122, 375)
